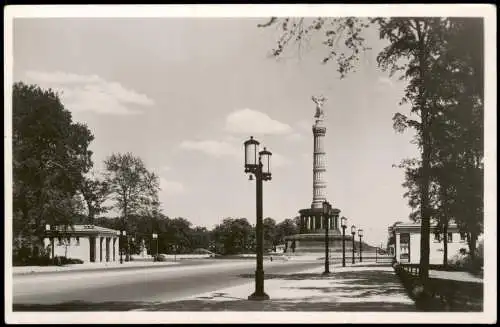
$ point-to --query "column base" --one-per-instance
(258, 297)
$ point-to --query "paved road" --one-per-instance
(130, 288)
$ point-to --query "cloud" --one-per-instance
(171, 187)
(213, 148)
(249, 121)
(91, 93)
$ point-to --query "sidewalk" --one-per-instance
(455, 275)
(364, 287)
(23, 270)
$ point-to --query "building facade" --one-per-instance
(406, 243)
(88, 243)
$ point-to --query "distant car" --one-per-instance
(204, 251)
(160, 257)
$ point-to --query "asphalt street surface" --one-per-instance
(64, 290)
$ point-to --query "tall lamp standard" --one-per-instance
(327, 207)
(343, 224)
(353, 232)
(260, 168)
(360, 233)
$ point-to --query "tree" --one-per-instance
(233, 236)
(94, 192)
(180, 231)
(461, 66)
(50, 157)
(269, 225)
(298, 31)
(287, 227)
(133, 188)
(200, 238)
(412, 170)
(414, 45)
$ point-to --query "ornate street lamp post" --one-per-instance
(360, 233)
(353, 232)
(261, 169)
(327, 207)
(343, 223)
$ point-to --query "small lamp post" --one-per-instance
(260, 167)
(155, 237)
(175, 247)
(343, 224)
(360, 233)
(132, 251)
(122, 234)
(353, 232)
(51, 238)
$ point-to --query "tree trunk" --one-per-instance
(444, 218)
(91, 213)
(125, 212)
(426, 156)
(445, 249)
(472, 238)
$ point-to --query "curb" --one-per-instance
(97, 269)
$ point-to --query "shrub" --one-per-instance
(23, 260)
(465, 262)
(68, 261)
(44, 261)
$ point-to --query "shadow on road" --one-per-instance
(209, 305)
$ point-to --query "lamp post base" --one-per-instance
(258, 297)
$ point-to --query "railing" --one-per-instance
(412, 269)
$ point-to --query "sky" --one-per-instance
(183, 94)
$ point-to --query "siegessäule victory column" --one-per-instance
(313, 225)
